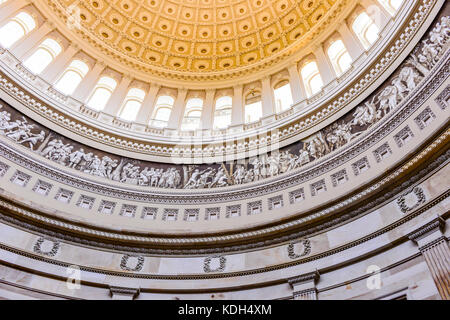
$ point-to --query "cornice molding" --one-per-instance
(244, 236)
(238, 273)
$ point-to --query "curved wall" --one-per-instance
(107, 132)
(366, 218)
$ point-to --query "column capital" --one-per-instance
(315, 47)
(99, 64)
(304, 278)
(293, 66)
(266, 78)
(304, 286)
(73, 46)
(376, 12)
(423, 236)
(126, 77)
(122, 293)
(155, 86)
(181, 91)
(49, 25)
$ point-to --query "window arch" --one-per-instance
(222, 113)
(132, 104)
(391, 5)
(48, 50)
(311, 78)
(253, 107)
(102, 92)
(15, 29)
(192, 114)
(365, 29)
(283, 96)
(339, 56)
(72, 77)
(163, 109)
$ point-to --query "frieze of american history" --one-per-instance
(74, 155)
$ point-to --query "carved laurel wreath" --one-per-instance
(418, 192)
(207, 264)
(51, 253)
(124, 262)
(306, 245)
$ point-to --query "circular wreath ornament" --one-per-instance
(38, 247)
(124, 263)
(207, 264)
(306, 249)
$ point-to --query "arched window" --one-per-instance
(132, 104)
(253, 107)
(311, 78)
(222, 113)
(163, 109)
(102, 92)
(15, 29)
(365, 29)
(391, 5)
(72, 77)
(283, 96)
(339, 57)
(192, 114)
(41, 58)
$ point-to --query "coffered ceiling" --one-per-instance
(194, 37)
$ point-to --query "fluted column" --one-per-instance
(323, 63)
(351, 42)
(119, 94)
(237, 111)
(10, 8)
(146, 111)
(57, 67)
(376, 12)
(434, 247)
(87, 85)
(297, 89)
(304, 286)
(208, 110)
(178, 110)
(21, 49)
(268, 99)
